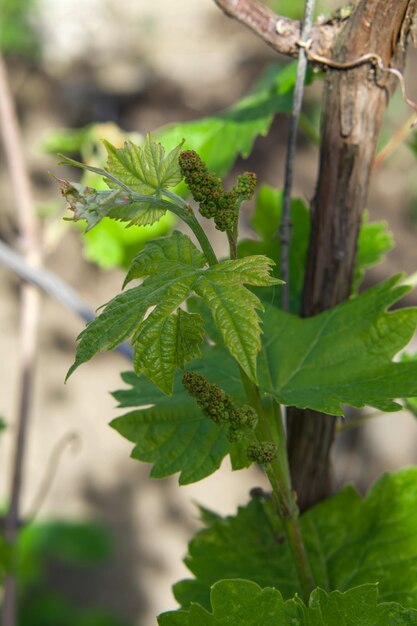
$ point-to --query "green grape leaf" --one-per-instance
(137, 177)
(165, 343)
(268, 210)
(112, 244)
(342, 356)
(173, 433)
(144, 169)
(174, 269)
(374, 241)
(197, 305)
(410, 403)
(221, 138)
(243, 602)
(71, 543)
(350, 541)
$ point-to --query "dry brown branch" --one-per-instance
(29, 308)
(280, 33)
(355, 100)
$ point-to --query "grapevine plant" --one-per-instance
(215, 359)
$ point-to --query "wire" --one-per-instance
(285, 226)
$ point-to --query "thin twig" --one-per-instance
(29, 307)
(53, 286)
(396, 140)
(71, 440)
(342, 427)
(285, 226)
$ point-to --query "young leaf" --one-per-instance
(243, 602)
(342, 356)
(221, 138)
(146, 170)
(173, 433)
(120, 204)
(93, 205)
(175, 269)
(349, 541)
(165, 343)
(137, 177)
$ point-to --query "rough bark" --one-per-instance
(280, 33)
(354, 105)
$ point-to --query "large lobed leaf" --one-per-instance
(173, 433)
(349, 541)
(221, 138)
(373, 243)
(244, 603)
(165, 340)
(342, 356)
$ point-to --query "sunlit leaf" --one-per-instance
(243, 602)
(221, 138)
(174, 270)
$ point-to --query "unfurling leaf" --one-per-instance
(137, 177)
(92, 205)
(175, 269)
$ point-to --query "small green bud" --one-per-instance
(235, 434)
(206, 188)
(245, 416)
(246, 184)
(262, 452)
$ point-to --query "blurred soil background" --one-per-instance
(140, 65)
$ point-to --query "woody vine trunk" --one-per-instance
(354, 103)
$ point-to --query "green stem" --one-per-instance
(191, 221)
(232, 236)
(175, 197)
(270, 428)
(186, 214)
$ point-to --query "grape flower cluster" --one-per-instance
(207, 189)
(219, 406)
(262, 452)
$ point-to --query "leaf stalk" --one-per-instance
(270, 428)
